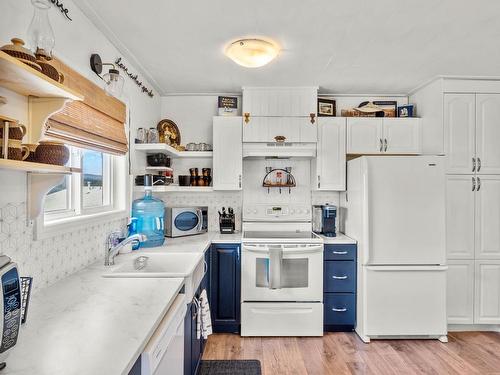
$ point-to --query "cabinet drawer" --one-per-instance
(340, 252)
(340, 276)
(340, 308)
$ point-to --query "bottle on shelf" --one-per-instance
(148, 215)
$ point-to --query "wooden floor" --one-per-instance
(345, 353)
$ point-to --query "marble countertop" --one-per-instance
(339, 239)
(87, 324)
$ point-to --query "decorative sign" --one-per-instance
(134, 77)
(228, 105)
(61, 7)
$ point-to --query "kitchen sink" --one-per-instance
(190, 266)
(156, 265)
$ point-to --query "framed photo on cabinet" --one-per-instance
(326, 108)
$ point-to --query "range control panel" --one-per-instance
(11, 309)
(276, 213)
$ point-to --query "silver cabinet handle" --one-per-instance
(473, 184)
(339, 252)
(478, 184)
(385, 142)
(478, 164)
(381, 145)
(339, 277)
(473, 164)
(319, 181)
(239, 181)
(339, 310)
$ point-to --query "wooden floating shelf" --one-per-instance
(26, 166)
(159, 169)
(19, 77)
(174, 188)
(172, 152)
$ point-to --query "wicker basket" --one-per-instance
(32, 148)
(21, 53)
(49, 70)
(50, 152)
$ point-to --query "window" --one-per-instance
(86, 193)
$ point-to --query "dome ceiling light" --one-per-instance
(252, 53)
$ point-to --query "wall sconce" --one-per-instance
(114, 81)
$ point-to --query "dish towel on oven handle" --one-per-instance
(203, 319)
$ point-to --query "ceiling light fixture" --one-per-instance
(114, 81)
(252, 53)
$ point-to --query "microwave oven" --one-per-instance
(185, 221)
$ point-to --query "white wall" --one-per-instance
(54, 258)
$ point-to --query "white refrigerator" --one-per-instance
(395, 209)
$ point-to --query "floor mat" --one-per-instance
(234, 367)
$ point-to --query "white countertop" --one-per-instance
(340, 239)
(87, 324)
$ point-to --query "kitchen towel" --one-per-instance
(203, 321)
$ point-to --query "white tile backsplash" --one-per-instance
(51, 259)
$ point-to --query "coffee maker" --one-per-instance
(323, 220)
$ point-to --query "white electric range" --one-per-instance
(281, 272)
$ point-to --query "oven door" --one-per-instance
(187, 221)
(282, 272)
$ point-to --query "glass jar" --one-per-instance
(40, 33)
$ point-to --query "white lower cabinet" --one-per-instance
(460, 292)
(228, 153)
(487, 292)
(329, 167)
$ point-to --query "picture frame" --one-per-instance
(227, 105)
(327, 107)
(390, 107)
(407, 110)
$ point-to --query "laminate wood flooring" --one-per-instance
(344, 353)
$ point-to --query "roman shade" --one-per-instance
(83, 126)
(97, 122)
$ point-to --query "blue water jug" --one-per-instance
(148, 216)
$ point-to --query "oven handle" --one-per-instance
(286, 250)
(256, 249)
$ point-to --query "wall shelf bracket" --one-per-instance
(40, 109)
(39, 184)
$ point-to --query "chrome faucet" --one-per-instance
(113, 246)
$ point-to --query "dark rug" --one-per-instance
(233, 367)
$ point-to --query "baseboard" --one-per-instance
(473, 327)
(338, 328)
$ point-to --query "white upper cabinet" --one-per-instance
(460, 133)
(402, 136)
(280, 101)
(460, 216)
(364, 135)
(488, 217)
(488, 133)
(487, 293)
(369, 135)
(329, 168)
(227, 154)
(460, 292)
(271, 129)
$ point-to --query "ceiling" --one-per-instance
(356, 46)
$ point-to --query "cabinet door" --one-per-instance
(460, 217)
(488, 133)
(460, 292)
(227, 146)
(279, 101)
(188, 330)
(460, 132)
(331, 159)
(402, 136)
(195, 341)
(364, 135)
(488, 217)
(487, 303)
(225, 287)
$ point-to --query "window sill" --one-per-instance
(44, 230)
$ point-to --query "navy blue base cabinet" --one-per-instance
(193, 347)
(339, 287)
(225, 269)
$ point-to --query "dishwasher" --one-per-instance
(164, 353)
